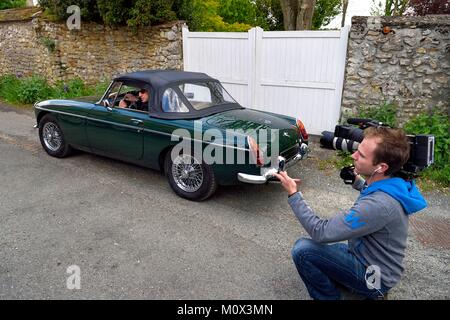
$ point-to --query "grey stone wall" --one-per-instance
(93, 53)
(400, 60)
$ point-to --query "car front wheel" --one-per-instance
(190, 177)
(52, 138)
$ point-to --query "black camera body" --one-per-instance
(347, 138)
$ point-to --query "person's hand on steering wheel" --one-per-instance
(127, 100)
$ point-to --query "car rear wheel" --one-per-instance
(190, 177)
(52, 138)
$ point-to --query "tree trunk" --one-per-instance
(305, 14)
(344, 12)
(297, 14)
(289, 9)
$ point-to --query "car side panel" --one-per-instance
(158, 135)
(116, 132)
(161, 135)
(71, 117)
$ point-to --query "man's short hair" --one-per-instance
(392, 147)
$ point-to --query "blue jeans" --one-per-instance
(322, 266)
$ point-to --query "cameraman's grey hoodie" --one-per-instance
(376, 227)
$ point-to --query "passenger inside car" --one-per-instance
(137, 103)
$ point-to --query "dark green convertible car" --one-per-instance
(182, 123)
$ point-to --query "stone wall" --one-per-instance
(400, 60)
(93, 53)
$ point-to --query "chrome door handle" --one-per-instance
(137, 121)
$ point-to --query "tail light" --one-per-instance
(255, 151)
(301, 130)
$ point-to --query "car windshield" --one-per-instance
(203, 95)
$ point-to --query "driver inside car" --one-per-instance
(138, 103)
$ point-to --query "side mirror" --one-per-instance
(106, 103)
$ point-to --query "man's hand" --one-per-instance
(289, 184)
(130, 98)
(122, 104)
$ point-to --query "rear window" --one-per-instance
(206, 94)
(171, 102)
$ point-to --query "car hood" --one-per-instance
(89, 99)
(248, 120)
(253, 122)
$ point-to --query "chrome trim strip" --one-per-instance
(62, 112)
(107, 90)
(297, 145)
(140, 128)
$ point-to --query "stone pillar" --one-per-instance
(399, 60)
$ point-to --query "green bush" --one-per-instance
(33, 89)
(437, 123)
(58, 9)
(133, 13)
(9, 88)
(10, 4)
(73, 88)
(99, 88)
(29, 90)
(386, 113)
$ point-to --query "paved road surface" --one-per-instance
(133, 238)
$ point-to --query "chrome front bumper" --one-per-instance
(268, 173)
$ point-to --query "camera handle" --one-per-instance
(348, 174)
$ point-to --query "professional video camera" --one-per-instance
(347, 138)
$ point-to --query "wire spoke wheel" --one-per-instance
(187, 173)
(52, 136)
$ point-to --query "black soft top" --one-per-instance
(157, 81)
(163, 78)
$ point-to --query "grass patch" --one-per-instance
(339, 160)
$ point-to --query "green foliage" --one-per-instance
(241, 11)
(33, 89)
(50, 44)
(185, 10)
(133, 13)
(230, 15)
(73, 88)
(204, 16)
(9, 88)
(23, 90)
(200, 15)
(345, 159)
(29, 90)
(58, 9)
(146, 13)
(325, 11)
(114, 12)
(269, 15)
(389, 7)
(386, 113)
(10, 4)
(437, 123)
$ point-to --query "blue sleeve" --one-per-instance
(366, 216)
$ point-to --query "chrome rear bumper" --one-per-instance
(268, 173)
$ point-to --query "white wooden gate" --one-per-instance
(297, 73)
